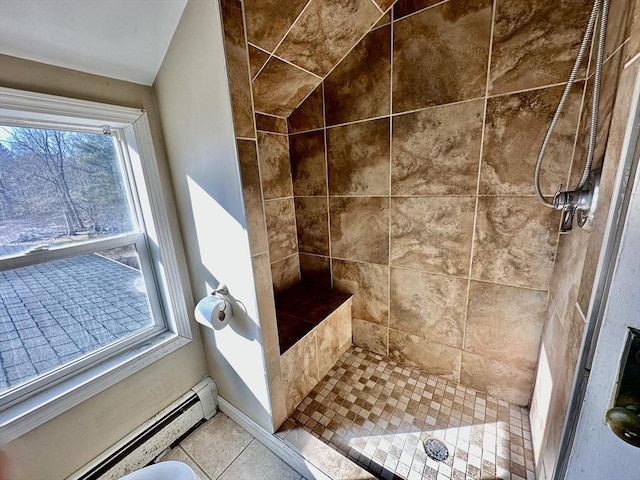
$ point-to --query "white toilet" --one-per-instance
(170, 470)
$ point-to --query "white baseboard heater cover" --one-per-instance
(144, 444)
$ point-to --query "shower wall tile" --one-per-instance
(269, 20)
(505, 323)
(607, 181)
(310, 114)
(360, 228)
(384, 4)
(273, 96)
(325, 32)
(316, 270)
(515, 242)
(515, 129)
(281, 228)
(275, 168)
(276, 387)
(334, 337)
(385, 20)
(285, 273)
(268, 123)
(610, 74)
(266, 304)
(632, 48)
(371, 336)
(438, 359)
(312, 220)
(432, 234)
(351, 91)
(429, 306)
(257, 59)
(299, 367)
(618, 23)
(535, 43)
(440, 55)
(369, 284)
(567, 271)
(359, 159)
(252, 194)
(437, 151)
(402, 8)
(237, 68)
(308, 164)
(499, 379)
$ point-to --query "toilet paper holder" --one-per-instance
(216, 309)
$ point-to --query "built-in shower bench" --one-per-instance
(314, 329)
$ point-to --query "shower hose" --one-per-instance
(598, 5)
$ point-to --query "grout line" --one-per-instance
(388, 322)
(190, 457)
(379, 8)
(262, 66)
(284, 258)
(253, 439)
(270, 115)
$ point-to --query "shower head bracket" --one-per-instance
(579, 203)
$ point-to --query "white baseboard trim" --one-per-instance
(277, 445)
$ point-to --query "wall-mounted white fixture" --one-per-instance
(215, 311)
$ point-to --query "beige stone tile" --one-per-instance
(309, 115)
(269, 20)
(275, 169)
(360, 86)
(432, 234)
(308, 164)
(515, 242)
(360, 228)
(257, 461)
(402, 8)
(505, 323)
(312, 223)
(315, 269)
(498, 379)
(432, 357)
(216, 444)
(324, 457)
(299, 367)
(285, 273)
(325, 32)
(421, 140)
(177, 454)
(632, 48)
(429, 306)
(276, 387)
(371, 336)
(369, 284)
(515, 129)
(520, 59)
(269, 123)
(334, 337)
(359, 159)
(440, 55)
(280, 87)
(252, 195)
(281, 228)
(384, 4)
(266, 304)
(237, 68)
(257, 59)
(607, 181)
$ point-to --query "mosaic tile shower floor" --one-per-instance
(378, 413)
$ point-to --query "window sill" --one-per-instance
(18, 419)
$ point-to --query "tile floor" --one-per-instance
(221, 449)
(378, 412)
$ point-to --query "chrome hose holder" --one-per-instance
(579, 204)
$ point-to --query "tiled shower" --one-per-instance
(387, 150)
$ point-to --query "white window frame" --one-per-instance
(31, 405)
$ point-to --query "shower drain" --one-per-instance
(436, 449)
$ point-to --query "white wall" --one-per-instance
(67, 442)
(194, 103)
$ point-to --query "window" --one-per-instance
(90, 289)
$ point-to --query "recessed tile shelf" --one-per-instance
(301, 308)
